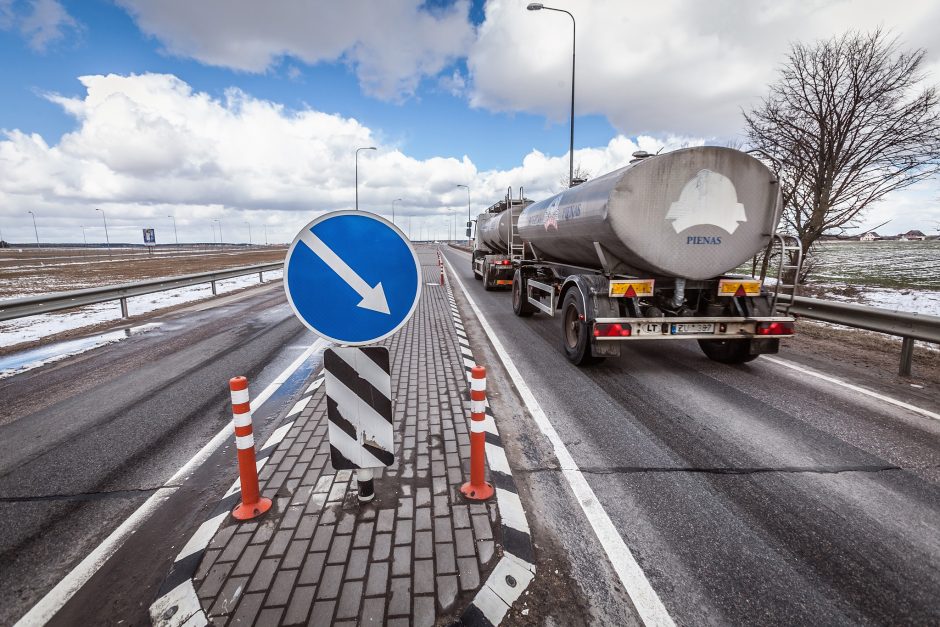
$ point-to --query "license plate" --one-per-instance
(693, 327)
(504, 282)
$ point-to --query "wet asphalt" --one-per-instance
(85, 441)
(748, 494)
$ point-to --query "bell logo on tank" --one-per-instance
(709, 199)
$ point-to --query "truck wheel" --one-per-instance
(728, 351)
(575, 335)
(487, 282)
(520, 304)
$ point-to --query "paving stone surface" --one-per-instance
(413, 556)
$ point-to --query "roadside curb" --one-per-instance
(516, 568)
(176, 603)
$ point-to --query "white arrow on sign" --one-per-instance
(372, 297)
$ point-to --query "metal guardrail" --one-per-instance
(908, 326)
(47, 303)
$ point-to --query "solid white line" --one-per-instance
(647, 602)
(47, 607)
(854, 388)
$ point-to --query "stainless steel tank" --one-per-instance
(493, 230)
(694, 213)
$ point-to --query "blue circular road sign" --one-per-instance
(352, 277)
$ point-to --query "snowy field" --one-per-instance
(36, 327)
(901, 276)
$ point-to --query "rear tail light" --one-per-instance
(504, 262)
(775, 328)
(603, 329)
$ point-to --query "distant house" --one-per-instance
(869, 237)
(914, 235)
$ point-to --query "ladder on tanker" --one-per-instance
(516, 245)
(789, 266)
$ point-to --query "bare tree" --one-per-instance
(847, 122)
(580, 173)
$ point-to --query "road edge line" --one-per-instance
(54, 600)
(645, 599)
(855, 388)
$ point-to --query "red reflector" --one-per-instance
(740, 292)
(775, 328)
(603, 329)
(631, 293)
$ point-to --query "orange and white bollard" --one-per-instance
(442, 275)
(477, 488)
(253, 504)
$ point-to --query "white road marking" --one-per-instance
(299, 406)
(49, 605)
(645, 599)
(203, 535)
(854, 388)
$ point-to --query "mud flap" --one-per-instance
(605, 349)
(765, 346)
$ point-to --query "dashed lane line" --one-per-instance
(645, 599)
(55, 599)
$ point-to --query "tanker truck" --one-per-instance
(649, 252)
(497, 243)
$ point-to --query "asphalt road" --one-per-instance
(85, 441)
(748, 494)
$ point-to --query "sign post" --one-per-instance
(352, 277)
(150, 239)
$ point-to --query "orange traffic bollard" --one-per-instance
(442, 275)
(253, 504)
(477, 488)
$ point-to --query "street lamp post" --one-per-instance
(249, 234)
(357, 172)
(175, 234)
(35, 230)
(467, 187)
(221, 245)
(393, 209)
(538, 6)
(106, 237)
(265, 234)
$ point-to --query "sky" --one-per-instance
(246, 115)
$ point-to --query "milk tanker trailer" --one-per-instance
(648, 252)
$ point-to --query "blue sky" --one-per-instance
(251, 112)
(434, 123)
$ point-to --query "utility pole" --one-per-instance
(249, 234)
(106, 237)
(35, 230)
(175, 234)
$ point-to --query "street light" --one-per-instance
(265, 234)
(221, 245)
(106, 238)
(35, 230)
(357, 172)
(468, 212)
(538, 6)
(393, 209)
(175, 234)
(249, 234)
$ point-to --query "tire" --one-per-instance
(520, 304)
(487, 283)
(575, 336)
(728, 351)
(473, 267)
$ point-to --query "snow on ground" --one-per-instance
(33, 358)
(925, 302)
(37, 327)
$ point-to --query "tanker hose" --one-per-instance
(678, 297)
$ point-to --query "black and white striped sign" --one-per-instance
(359, 407)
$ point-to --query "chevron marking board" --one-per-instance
(359, 407)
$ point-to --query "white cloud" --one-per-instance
(44, 22)
(671, 66)
(391, 45)
(149, 146)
